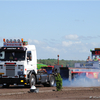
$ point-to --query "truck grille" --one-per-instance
(10, 70)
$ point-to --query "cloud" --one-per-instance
(69, 43)
(66, 44)
(95, 45)
(52, 49)
(88, 37)
(72, 37)
(36, 42)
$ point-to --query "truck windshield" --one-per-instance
(12, 55)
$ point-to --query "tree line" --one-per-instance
(52, 62)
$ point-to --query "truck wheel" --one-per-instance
(32, 80)
(52, 81)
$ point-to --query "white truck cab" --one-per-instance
(17, 61)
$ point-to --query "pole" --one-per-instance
(58, 59)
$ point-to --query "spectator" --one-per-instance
(95, 59)
(89, 59)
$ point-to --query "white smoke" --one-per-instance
(81, 81)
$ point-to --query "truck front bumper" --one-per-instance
(12, 81)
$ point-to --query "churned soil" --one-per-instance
(50, 93)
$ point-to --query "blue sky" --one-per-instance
(68, 28)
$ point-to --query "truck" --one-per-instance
(18, 65)
(89, 70)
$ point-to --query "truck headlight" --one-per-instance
(20, 72)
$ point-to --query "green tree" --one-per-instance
(63, 62)
(58, 82)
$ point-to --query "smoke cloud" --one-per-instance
(81, 81)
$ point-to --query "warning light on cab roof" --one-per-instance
(13, 41)
(22, 39)
(4, 40)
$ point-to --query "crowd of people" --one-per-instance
(95, 59)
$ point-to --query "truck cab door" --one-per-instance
(29, 60)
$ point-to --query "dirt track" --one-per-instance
(49, 93)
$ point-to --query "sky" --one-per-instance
(68, 28)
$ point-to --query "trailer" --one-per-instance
(18, 65)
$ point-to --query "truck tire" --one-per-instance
(52, 81)
(32, 80)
